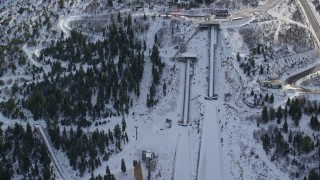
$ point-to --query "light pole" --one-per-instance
(136, 132)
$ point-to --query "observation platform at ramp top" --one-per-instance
(208, 23)
(186, 55)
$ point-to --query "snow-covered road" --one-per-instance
(291, 82)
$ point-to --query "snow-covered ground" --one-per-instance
(219, 142)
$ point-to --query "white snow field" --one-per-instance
(218, 142)
(179, 148)
(183, 164)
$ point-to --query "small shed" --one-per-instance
(150, 159)
(149, 155)
(168, 123)
(227, 97)
(183, 47)
(221, 13)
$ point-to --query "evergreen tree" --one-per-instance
(164, 89)
(10, 106)
(82, 166)
(285, 114)
(296, 121)
(285, 126)
(208, 1)
(252, 93)
(271, 99)
(272, 113)
(288, 102)
(61, 4)
(119, 17)
(290, 137)
(313, 175)
(29, 137)
(266, 143)
(238, 57)
(110, 3)
(155, 39)
(123, 166)
(108, 172)
(314, 123)
(279, 115)
(266, 98)
(265, 114)
(46, 172)
(307, 144)
(124, 124)
(117, 132)
(144, 45)
(261, 70)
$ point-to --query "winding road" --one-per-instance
(265, 7)
(291, 82)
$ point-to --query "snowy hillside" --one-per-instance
(147, 90)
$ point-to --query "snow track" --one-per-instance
(64, 23)
(183, 169)
(213, 42)
(185, 118)
(53, 156)
(286, 19)
(210, 155)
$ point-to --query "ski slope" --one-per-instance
(210, 155)
(183, 169)
(185, 117)
(211, 60)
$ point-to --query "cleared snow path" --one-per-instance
(286, 19)
(53, 156)
(213, 42)
(183, 170)
(237, 23)
(64, 23)
(186, 103)
(210, 154)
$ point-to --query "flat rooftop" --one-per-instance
(187, 55)
(212, 22)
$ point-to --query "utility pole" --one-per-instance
(136, 132)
